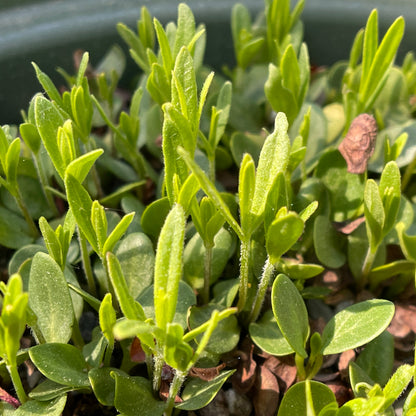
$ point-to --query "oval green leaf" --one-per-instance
(50, 300)
(62, 363)
(356, 325)
(290, 312)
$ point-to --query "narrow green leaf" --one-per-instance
(164, 47)
(290, 312)
(211, 191)
(168, 266)
(390, 191)
(185, 28)
(246, 185)
(374, 213)
(290, 70)
(397, 383)
(99, 223)
(188, 190)
(80, 167)
(62, 363)
(12, 161)
(274, 158)
(204, 93)
(117, 233)
(50, 300)
(199, 393)
(81, 206)
(130, 308)
(48, 120)
(82, 68)
(177, 353)
(370, 43)
(48, 86)
(107, 316)
(356, 325)
(51, 241)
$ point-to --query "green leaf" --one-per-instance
(81, 206)
(211, 191)
(377, 358)
(164, 47)
(12, 161)
(282, 234)
(199, 393)
(267, 336)
(103, 384)
(34, 408)
(185, 28)
(130, 308)
(274, 158)
(390, 191)
(194, 254)
(356, 325)
(134, 396)
(246, 185)
(48, 390)
(80, 167)
(168, 266)
(48, 121)
(117, 233)
(50, 300)
(62, 363)
(154, 216)
(345, 189)
(290, 312)
(329, 247)
(398, 383)
(51, 241)
(48, 86)
(177, 353)
(374, 213)
(107, 316)
(297, 400)
(370, 44)
(226, 334)
(100, 224)
(136, 256)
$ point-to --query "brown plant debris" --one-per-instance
(358, 145)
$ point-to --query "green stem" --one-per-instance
(207, 273)
(86, 263)
(268, 270)
(76, 335)
(244, 273)
(17, 382)
(300, 367)
(157, 369)
(108, 353)
(368, 264)
(175, 386)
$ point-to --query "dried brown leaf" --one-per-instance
(267, 394)
(358, 145)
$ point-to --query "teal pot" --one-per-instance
(47, 32)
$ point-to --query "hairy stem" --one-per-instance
(175, 386)
(267, 274)
(368, 264)
(29, 220)
(244, 273)
(207, 273)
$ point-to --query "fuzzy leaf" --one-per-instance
(356, 325)
(80, 167)
(290, 312)
(50, 300)
(168, 266)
